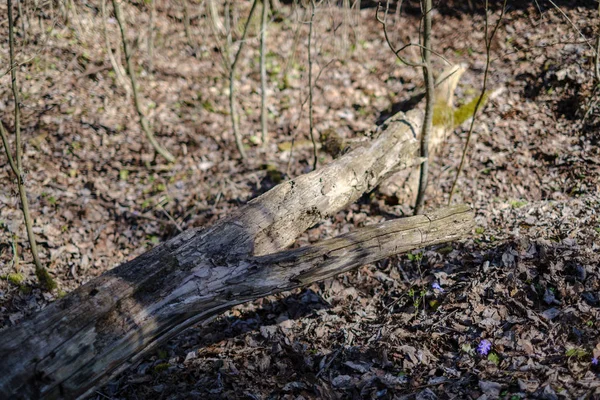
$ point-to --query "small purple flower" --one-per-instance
(437, 287)
(595, 361)
(484, 347)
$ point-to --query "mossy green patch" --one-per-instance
(298, 144)
(273, 173)
(158, 368)
(16, 278)
(517, 203)
(442, 114)
(466, 111)
(45, 279)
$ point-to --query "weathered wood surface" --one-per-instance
(110, 323)
(405, 184)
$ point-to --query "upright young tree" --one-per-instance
(263, 71)
(145, 124)
(313, 7)
(16, 163)
(235, 120)
(426, 7)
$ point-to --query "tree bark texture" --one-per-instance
(113, 321)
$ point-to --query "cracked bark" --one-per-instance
(113, 321)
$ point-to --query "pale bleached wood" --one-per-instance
(108, 324)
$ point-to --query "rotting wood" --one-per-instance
(110, 323)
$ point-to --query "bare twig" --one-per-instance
(22, 17)
(292, 55)
(152, 6)
(136, 99)
(597, 64)
(263, 72)
(216, 23)
(488, 45)
(426, 7)
(575, 28)
(310, 86)
(593, 97)
(11, 160)
(17, 165)
(186, 24)
(383, 22)
(232, 104)
(218, 33)
(345, 27)
(116, 66)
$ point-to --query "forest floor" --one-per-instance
(414, 326)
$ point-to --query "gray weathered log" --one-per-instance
(110, 323)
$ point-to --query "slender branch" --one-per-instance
(593, 97)
(292, 57)
(17, 166)
(11, 160)
(186, 24)
(488, 45)
(119, 73)
(383, 22)
(14, 86)
(575, 28)
(136, 99)
(216, 23)
(232, 104)
(151, 36)
(310, 85)
(429, 95)
(22, 17)
(597, 63)
(217, 32)
(263, 72)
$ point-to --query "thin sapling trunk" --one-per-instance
(426, 6)
(17, 165)
(310, 83)
(136, 99)
(235, 121)
(263, 72)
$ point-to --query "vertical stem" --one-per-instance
(214, 17)
(76, 20)
(42, 274)
(263, 72)
(426, 7)
(14, 86)
(22, 17)
(292, 55)
(119, 73)
(186, 23)
(488, 44)
(345, 27)
(232, 104)
(136, 99)
(597, 63)
(275, 6)
(151, 36)
(310, 86)
(228, 29)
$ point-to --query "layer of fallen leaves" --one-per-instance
(527, 282)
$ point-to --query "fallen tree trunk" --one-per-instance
(110, 323)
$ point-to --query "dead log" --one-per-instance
(111, 322)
